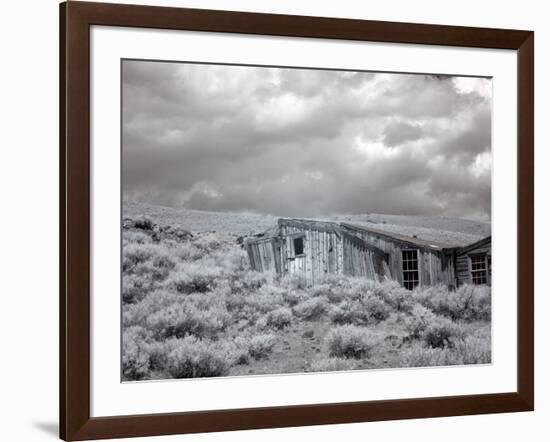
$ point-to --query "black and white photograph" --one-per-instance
(280, 220)
(236, 221)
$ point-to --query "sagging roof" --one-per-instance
(272, 232)
(320, 226)
(470, 247)
(341, 228)
(417, 242)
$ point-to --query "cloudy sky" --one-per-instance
(297, 142)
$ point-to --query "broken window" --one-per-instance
(298, 244)
(478, 266)
(411, 274)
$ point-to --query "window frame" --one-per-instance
(484, 272)
(415, 282)
(293, 238)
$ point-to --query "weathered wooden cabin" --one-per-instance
(316, 248)
(473, 263)
(413, 262)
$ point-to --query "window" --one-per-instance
(409, 259)
(478, 266)
(298, 244)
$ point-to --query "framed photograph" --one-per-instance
(272, 220)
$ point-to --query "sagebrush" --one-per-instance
(193, 308)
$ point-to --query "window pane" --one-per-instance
(298, 246)
(479, 270)
(409, 260)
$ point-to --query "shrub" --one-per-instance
(129, 237)
(187, 251)
(294, 281)
(144, 223)
(397, 319)
(251, 307)
(263, 302)
(321, 289)
(248, 281)
(337, 288)
(233, 261)
(193, 277)
(397, 297)
(293, 298)
(158, 352)
(215, 299)
(134, 254)
(141, 257)
(279, 318)
(181, 319)
(468, 302)
(261, 346)
(474, 349)
(310, 309)
(439, 332)
(345, 293)
(135, 360)
(148, 270)
(164, 260)
(193, 357)
(349, 312)
(211, 242)
(418, 320)
(349, 341)
(334, 295)
(134, 288)
(475, 301)
(239, 350)
(176, 234)
(419, 356)
(229, 352)
(332, 364)
(137, 314)
(248, 315)
(261, 323)
(375, 307)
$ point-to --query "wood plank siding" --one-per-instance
(264, 255)
(464, 261)
(327, 249)
(317, 248)
(321, 245)
(435, 263)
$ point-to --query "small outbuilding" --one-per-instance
(314, 249)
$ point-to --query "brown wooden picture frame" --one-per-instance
(75, 21)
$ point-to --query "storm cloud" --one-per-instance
(301, 142)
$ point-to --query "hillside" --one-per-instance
(193, 307)
(453, 231)
(201, 221)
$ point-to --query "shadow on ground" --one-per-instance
(50, 428)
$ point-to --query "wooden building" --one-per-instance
(314, 249)
(317, 248)
(412, 261)
(473, 263)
